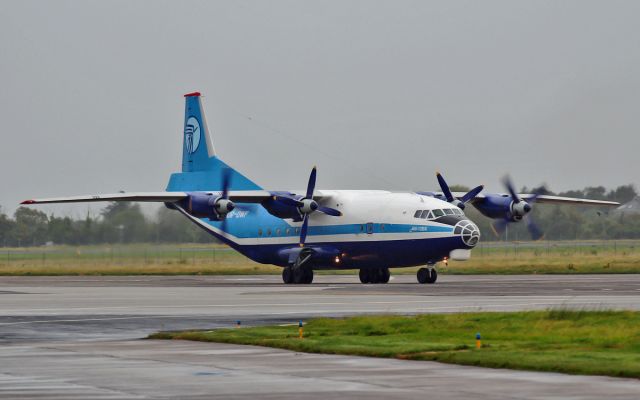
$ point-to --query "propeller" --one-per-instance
(519, 209)
(470, 195)
(307, 205)
(222, 204)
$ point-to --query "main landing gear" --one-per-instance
(374, 275)
(300, 271)
(427, 275)
(297, 275)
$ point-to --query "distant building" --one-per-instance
(630, 208)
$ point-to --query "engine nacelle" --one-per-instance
(208, 206)
(519, 210)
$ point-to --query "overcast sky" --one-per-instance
(378, 95)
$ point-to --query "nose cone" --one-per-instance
(468, 231)
(527, 207)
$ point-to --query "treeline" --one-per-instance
(117, 223)
(126, 223)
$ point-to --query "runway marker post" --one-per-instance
(300, 329)
(478, 341)
(238, 324)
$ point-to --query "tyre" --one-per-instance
(423, 275)
(433, 276)
(364, 276)
(384, 275)
(287, 275)
(308, 275)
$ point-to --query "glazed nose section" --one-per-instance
(468, 231)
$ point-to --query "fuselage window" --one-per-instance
(361, 228)
(278, 232)
(425, 213)
(448, 211)
(381, 227)
(417, 214)
(259, 232)
(438, 213)
(288, 231)
(297, 230)
(269, 232)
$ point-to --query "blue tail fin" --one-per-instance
(198, 147)
(201, 169)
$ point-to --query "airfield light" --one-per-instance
(478, 341)
(300, 330)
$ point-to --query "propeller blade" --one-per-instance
(303, 230)
(499, 226)
(330, 211)
(312, 184)
(509, 185)
(226, 181)
(472, 194)
(534, 230)
(444, 187)
(288, 201)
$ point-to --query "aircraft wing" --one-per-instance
(133, 196)
(238, 196)
(543, 198)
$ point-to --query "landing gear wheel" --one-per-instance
(302, 275)
(364, 276)
(384, 275)
(423, 275)
(433, 275)
(287, 275)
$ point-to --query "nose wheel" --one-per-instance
(427, 275)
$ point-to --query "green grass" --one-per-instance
(575, 342)
(190, 259)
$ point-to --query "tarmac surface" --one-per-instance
(78, 337)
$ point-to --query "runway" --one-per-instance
(76, 337)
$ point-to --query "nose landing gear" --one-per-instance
(427, 275)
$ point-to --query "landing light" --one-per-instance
(337, 260)
(446, 261)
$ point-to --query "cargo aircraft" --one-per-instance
(307, 230)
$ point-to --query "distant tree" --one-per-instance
(7, 226)
(596, 193)
(62, 230)
(622, 194)
(30, 227)
(123, 222)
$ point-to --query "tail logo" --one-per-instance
(192, 135)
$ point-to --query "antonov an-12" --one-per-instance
(303, 231)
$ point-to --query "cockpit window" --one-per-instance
(438, 213)
(417, 214)
(458, 211)
(430, 215)
(424, 214)
(448, 211)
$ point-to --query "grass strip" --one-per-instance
(574, 342)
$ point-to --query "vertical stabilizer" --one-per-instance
(198, 147)
(201, 169)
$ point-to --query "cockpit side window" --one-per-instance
(458, 211)
(448, 211)
(438, 213)
(430, 215)
(424, 214)
(417, 214)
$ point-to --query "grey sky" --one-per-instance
(378, 94)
